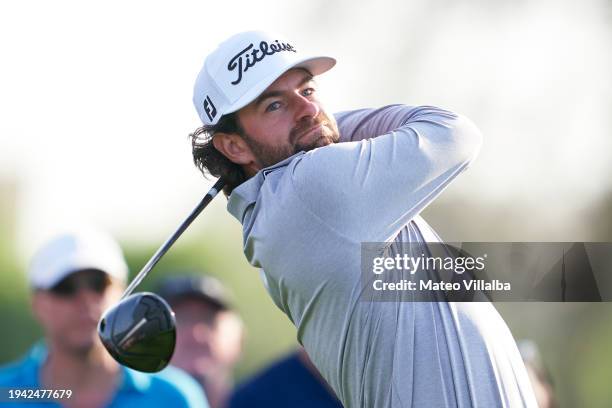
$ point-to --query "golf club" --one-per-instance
(140, 331)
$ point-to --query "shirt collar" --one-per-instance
(34, 361)
(131, 380)
(243, 196)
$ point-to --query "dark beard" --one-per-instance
(270, 155)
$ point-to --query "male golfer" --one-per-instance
(309, 188)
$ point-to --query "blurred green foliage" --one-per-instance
(16, 321)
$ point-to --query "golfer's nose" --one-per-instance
(305, 107)
(89, 302)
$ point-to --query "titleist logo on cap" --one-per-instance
(245, 59)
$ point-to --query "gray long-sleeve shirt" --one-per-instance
(304, 220)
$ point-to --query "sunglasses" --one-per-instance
(93, 280)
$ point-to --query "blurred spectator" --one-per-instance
(540, 377)
(74, 278)
(209, 333)
(291, 382)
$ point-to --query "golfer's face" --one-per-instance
(70, 311)
(287, 118)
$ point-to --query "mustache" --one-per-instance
(305, 125)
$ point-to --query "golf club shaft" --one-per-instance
(170, 241)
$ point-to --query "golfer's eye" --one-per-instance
(308, 91)
(273, 106)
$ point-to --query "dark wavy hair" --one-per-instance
(209, 160)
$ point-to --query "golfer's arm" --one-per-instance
(365, 124)
(368, 190)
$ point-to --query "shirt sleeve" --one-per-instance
(394, 162)
(363, 124)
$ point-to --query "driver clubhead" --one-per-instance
(139, 332)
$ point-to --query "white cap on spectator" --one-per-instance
(75, 251)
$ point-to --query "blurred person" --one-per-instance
(74, 278)
(540, 377)
(293, 381)
(209, 333)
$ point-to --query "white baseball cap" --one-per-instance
(242, 67)
(75, 251)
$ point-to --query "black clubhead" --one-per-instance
(139, 332)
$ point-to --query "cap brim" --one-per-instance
(175, 298)
(315, 65)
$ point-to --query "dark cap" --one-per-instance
(204, 287)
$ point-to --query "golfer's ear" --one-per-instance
(234, 148)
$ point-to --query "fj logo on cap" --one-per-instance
(209, 108)
(245, 59)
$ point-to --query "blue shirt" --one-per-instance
(170, 387)
(287, 383)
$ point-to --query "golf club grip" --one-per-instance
(218, 186)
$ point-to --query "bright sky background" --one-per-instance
(95, 98)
